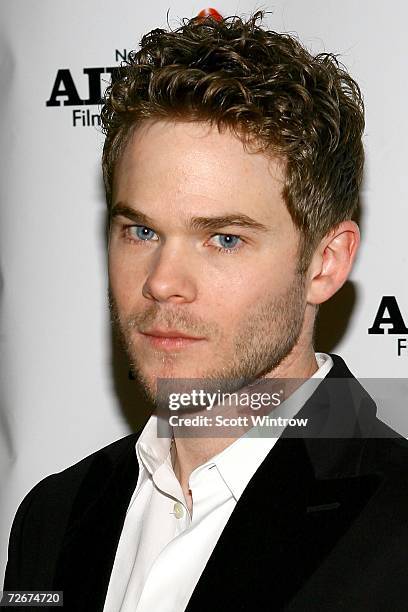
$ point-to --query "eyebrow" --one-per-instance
(195, 223)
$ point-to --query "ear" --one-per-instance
(332, 262)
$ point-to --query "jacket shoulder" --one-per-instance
(104, 459)
(59, 486)
(43, 514)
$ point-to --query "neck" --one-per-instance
(189, 453)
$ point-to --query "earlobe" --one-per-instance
(332, 262)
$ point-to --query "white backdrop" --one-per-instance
(64, 393)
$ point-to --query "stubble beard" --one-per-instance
(266, 336)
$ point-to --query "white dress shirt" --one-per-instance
(163, 549)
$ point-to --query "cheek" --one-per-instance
(241, 290)
(229, 301)
(124, 279)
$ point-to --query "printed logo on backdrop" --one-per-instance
(390, 320)
(94, 80)
(64, 91)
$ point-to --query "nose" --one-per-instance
(170, 277)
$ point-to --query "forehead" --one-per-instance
(193, 164)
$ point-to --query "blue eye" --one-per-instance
(141, 232)
(227, 241)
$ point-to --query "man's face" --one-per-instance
(202, 244)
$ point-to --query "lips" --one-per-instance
(170, 339)
(170, 333)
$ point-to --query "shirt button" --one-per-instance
(178, 510)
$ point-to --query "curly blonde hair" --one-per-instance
(270, 91)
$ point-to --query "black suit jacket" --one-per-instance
(322, 524)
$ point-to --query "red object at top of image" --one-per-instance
(209, 12)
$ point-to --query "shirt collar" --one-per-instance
(151, 450)
(238, 462)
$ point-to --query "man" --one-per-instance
(232, 165)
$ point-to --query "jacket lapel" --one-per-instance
(298, 504)
(95, 525)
